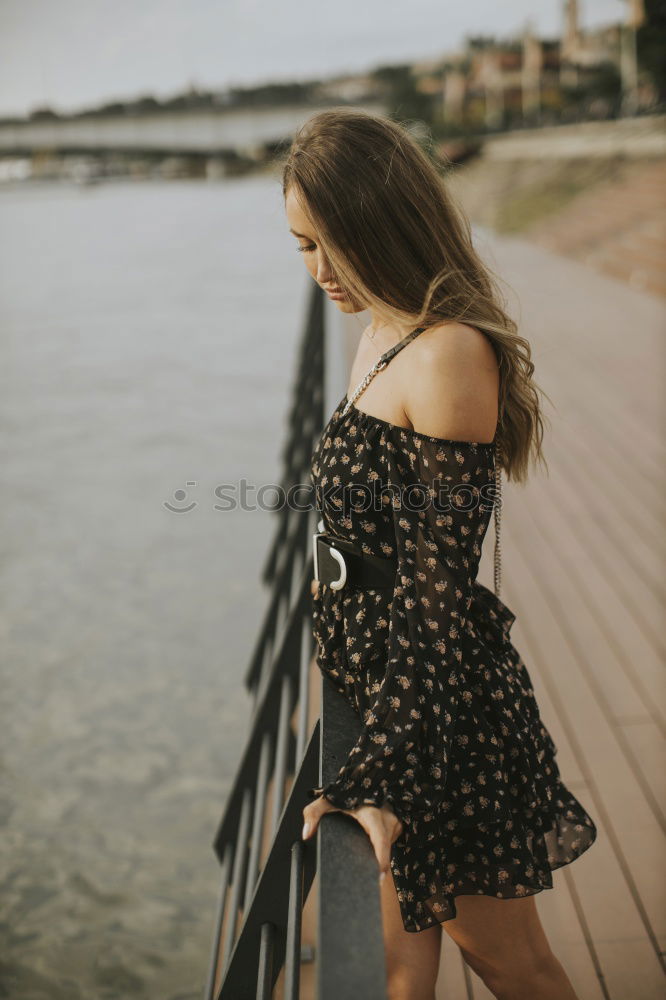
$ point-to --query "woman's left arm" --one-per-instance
(400, 756)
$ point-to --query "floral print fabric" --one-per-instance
(450, 738)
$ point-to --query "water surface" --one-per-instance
(148, 340)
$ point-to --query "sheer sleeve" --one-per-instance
(439, 495)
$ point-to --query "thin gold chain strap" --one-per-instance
(498, 513)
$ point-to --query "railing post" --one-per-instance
(215, 958)
(237, 878)
(258, 820)
(350, 958)
(294, 921)
(265, 971)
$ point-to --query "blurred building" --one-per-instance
(528, 79)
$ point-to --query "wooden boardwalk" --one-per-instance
(582, 568)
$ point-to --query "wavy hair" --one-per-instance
(396, 241)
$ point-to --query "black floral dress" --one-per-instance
(451, 737)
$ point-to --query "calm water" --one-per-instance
(148, 340)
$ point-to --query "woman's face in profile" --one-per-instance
(315, 259)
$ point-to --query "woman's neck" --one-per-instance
(386, 333)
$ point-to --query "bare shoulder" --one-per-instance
(451, 385)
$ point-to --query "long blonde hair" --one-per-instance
(397, 242)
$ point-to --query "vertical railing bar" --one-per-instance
(266, 664)
(281, 611)
(259, 646)
(280, 770)
(303, 690)
(294, 569)
(306, 653)
(265, 967)
(294, 921)
(272, 650)
(290, 569)
(285, 598)
(217, 933)
(239, 865)
(301, 541)
(285, 584)
(258, 819)
(268, 653)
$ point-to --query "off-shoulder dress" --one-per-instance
(450, 732)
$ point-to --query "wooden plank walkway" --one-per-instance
(583, 569)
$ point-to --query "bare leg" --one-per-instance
(503, 941)
(412, 960)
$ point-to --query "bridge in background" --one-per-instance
(247, 131)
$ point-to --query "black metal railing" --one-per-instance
(267, 871)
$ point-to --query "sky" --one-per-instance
(71, 54)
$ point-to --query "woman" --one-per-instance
(453, 775)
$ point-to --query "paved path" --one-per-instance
(617, 227)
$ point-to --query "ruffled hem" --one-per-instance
(540, 844)
(540, 840)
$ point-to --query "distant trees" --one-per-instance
(43, 115)
(269, 94)
(264, 95)
(399, 86)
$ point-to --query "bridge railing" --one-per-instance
(267, 871)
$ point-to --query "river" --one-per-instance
(149, 334)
